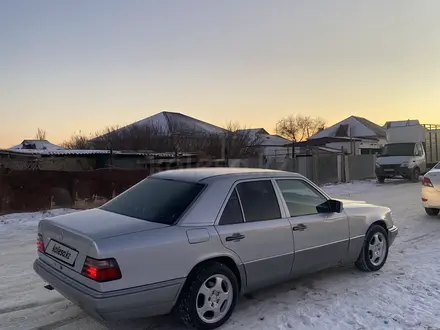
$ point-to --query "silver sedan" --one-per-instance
(191, 241)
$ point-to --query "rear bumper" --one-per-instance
(140, 302)
(392, 234)
(430, 198)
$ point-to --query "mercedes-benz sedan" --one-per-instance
(191, 241)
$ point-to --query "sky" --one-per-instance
(69, 66)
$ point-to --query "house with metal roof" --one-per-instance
(362, 135)
(168, 123)
(43, 155)
(36, 145)
(269, 145)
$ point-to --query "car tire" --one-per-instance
(374, 252)
(432, 212)
(415, 175)
(381, 179)
(189, 307)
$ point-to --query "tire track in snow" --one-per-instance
(423, 237)
(28, 306)
(60, 323)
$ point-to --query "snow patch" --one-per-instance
(16, 221)
(403, 295)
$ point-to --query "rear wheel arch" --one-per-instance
(225, 260)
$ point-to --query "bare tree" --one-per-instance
(77, 141)
(41, 134)
(240, 141)
(134, 137)
(298, 128)
(235, 142)
(177, 138)
(107, 138)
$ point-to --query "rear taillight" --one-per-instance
(40, 243)
(427, 182)
(101, 270)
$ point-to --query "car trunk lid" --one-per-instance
(98, 224)
(70, 238)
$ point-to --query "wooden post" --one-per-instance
(346, 169)
(315, 161)
(293, 149)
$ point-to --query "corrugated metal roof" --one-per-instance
(174, 122)
(36, 145)
(63, 152)
(253, 131)
(328, 149)
(380, 131)
(357, 127)
(272, 140)
(91, 152)
(263, 137)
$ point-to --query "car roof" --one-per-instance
(213, 173)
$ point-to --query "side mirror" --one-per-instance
(330, 206)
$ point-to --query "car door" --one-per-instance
(253, 227)
(320, 240)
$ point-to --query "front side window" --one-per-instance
(300, 197)
(259, 201)
(420, 149)
(155, 200)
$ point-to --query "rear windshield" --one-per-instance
(398, 149)
(155, 200)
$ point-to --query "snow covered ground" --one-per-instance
(405, 294)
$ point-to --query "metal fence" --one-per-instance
(321, 169)
(432, 145)
(360, 167)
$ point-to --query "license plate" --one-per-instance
(389, 170)
(61, 252)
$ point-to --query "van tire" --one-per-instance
(381, 179)
(415, 176)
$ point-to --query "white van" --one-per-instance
(404, 154)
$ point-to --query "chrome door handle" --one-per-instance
(299, 227)
(235, 237)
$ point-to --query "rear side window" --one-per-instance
(155, 200)
(232, 213)
(437, 167)
(259, 201)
